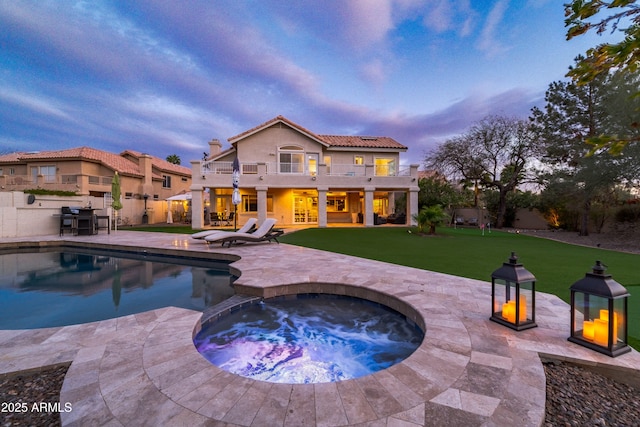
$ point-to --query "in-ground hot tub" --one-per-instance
(308, 338)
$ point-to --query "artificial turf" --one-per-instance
(467, 252)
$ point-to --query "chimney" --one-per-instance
(214, 147)
(145, 163)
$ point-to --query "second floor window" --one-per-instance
(358, 160)
(166, 181)
(385, 167)
(291, 162)
(47, 172)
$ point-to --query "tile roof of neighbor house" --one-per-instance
(110, 160)
(161, 164)
(328, 140)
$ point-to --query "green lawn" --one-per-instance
(466, 252)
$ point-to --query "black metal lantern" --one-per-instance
(513, 295)
(599, 313)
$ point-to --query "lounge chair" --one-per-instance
(248, 227)
(264, 233)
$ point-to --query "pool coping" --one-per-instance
(468, 370)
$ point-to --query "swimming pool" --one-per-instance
(66, 286)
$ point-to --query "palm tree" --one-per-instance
(173, 158)
(431, 216)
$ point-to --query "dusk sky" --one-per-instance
(165, 77)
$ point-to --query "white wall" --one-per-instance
(20, 219)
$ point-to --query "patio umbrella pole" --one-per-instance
(235, 196)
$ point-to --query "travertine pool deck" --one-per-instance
(144, 370)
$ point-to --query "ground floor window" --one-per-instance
(381, 205)
(250, 203)
(305, 207)
(337, 202)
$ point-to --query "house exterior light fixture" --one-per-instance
(513, 298)
(599, 313)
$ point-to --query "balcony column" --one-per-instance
(262, 203)
(412, 209)
(197, 208)
(322, 206)
(368, 206)
(370, 170)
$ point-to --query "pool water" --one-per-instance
(59, 288)
(310, 339)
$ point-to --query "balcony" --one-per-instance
(58, 182)
(216, 174)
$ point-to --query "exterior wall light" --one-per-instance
(313, 178)
(599, 313)
(513, 295)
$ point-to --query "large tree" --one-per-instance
(574, 114)
(623, 57)
(495, 153)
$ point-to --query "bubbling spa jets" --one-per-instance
(309, 338)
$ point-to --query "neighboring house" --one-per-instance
(298, 177)
(88, 172)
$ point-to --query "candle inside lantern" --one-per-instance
(601, 332)
(587, 329)
(523, 308)
(509, 311)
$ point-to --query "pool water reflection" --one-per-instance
(310, 339)
(66, 287)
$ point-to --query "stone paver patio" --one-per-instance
(144, 369)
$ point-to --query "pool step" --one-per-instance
(227, 306)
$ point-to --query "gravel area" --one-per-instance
(617, 241)
(579, 397)
(19, 392)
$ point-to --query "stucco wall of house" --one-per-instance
(263, 146)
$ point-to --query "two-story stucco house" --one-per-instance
(298, 177)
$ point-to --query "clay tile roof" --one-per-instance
(113, 161)
(10, 158)
(161, 164)
(362, 141)
(328, 140)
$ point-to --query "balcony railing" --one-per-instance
(273, 168)
(53, 182)
(226, 168)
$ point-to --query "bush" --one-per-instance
(628, 214)
(42, 192)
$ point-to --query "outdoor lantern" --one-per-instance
(599, 313)
(513, 295)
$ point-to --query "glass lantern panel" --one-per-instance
(500, 296)
(591, 317)
(526, 301)
(619, 322)
(505, 301)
